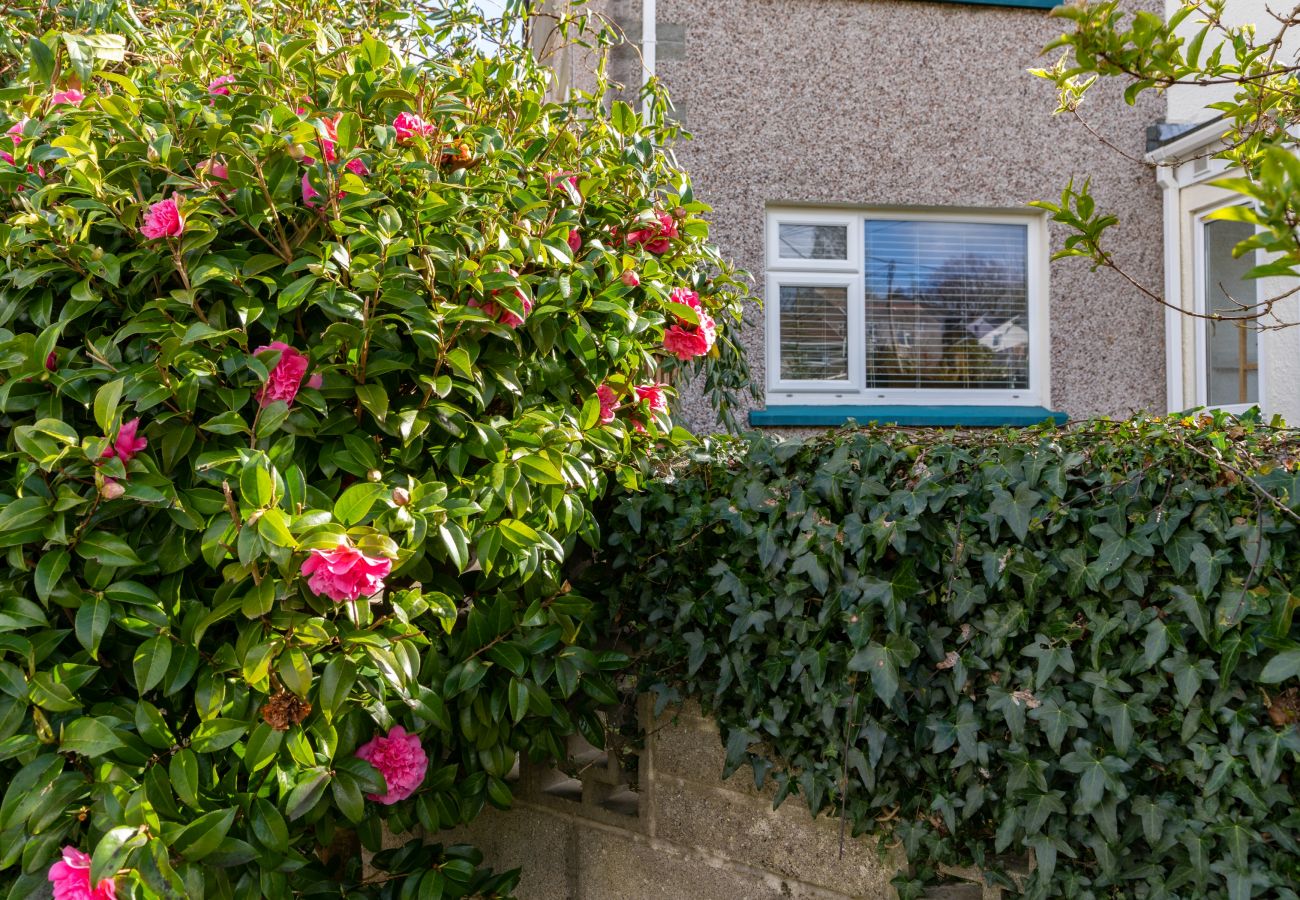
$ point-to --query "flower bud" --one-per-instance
(630, 278)
(375, 476)
(265, 49)
(51, 361)
(97, 254)
(297, 151)
(679, 212)
(153, 154)
(401, 496)
(111, 490)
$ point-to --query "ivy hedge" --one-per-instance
(1074, 642)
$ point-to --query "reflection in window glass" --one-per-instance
(814, 333)
(813, 241)
(1232, 367)
(947, 305)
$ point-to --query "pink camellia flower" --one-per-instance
(555, 179)
(286, 377)
(400, 759)
(686, 297)
(505, 316)
(217, 86)
(653, 394)
(687, 340)
(316, 381)
(7, 157)
(655, 237)
(327, 143)
(500, 313)
(575, 240)
(357, 167)
(128, 442)
(608, 403)
(71, 879)
(70, 97)
(631, 278)
(638, 426)
(15, 131)
(408, 125)
(344, 573)
(214, 170)
(163, 220)
(309, 192)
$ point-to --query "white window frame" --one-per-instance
(851, 272)
(1201, 307)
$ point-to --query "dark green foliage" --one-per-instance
(1078, 642)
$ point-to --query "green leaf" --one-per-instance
(107, 549)
(355, 503)
(269, 827)
(1281, 667)
(92, 621)
(217, 734)
(150, 662)
(106, 400)
(184, 773)
(262, 748)
(375, 399)
(306, 793)
(204, 835)
(335, 684)
(90, 737)
(113, 850)
(54, 563)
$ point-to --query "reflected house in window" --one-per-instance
(947, 305)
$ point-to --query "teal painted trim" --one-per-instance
(968, 416)
(1021, 4)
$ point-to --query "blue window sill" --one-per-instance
(1022, 4)
(966, 416)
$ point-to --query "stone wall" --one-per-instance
(673, 829)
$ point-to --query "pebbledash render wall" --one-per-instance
(672, 829)
(925, 106)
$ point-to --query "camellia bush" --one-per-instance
(1079, 644)
(318, 344)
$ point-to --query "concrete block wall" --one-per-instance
(673, 829)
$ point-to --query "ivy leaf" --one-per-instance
(1281, 667)
(883, 662)
(1015, 509)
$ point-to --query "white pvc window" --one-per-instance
(886, 307)
(1228, 373)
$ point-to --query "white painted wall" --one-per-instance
(1188, 103)
(1280, 349)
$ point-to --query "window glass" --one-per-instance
(1232, 367)
(814, 332)
(813, 241)
(947, 305)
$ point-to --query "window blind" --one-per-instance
(814, 332)
(947, 305)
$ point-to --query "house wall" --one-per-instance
(673, 829)
(922, 105)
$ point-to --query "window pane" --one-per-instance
(813, 241)
(1232, 370)
(947, 305)
(814, 332)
